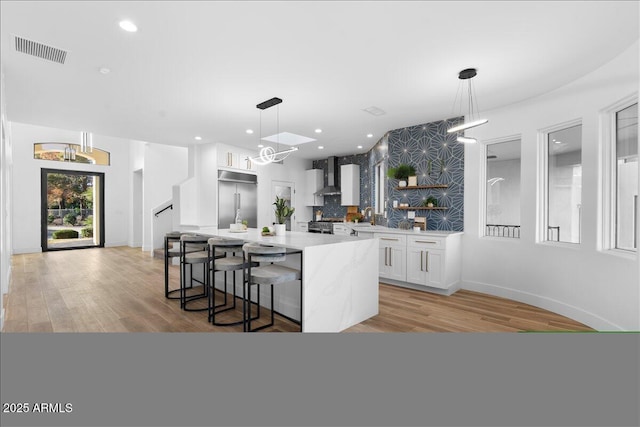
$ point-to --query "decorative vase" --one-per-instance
(429, 205)
(280, 229)
(402, 183)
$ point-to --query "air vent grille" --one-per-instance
(40, 50)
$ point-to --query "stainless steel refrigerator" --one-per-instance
(237, 190)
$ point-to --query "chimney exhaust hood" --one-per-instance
(330, 189)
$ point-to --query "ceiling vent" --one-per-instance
(40, 50)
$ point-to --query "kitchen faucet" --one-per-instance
(373, 215)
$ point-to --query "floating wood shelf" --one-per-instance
(421, 187)
(421, 208)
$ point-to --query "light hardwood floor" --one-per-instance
(122, 290)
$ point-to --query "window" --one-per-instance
(564, 185)
(380, 175)
(502, 210)
(626, 177)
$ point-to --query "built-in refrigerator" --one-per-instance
(237, 190)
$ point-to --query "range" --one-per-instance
(323, 226)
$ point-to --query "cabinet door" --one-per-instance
(228, 159)
(416, 265)
(435, 269)
(398, 265)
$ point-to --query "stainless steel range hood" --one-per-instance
(331, 189)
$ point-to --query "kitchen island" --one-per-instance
(339, 277)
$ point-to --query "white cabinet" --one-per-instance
(302, 226)
(235, 159)
(341, 229)
(392, 256)
(430, 261)
(314, 181)
(350, 185)
(433, 261)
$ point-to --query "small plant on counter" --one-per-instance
(357, 217)
(245, 224)
(401, 172)
(283, 212)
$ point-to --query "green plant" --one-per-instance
(283, 212)
(50, 218)
(70, 219)
(87, 232)
(65, 234)
(357, 217)
(402, 171)
(265, 229)
(88, 221)
(430, 199)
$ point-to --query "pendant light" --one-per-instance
(269, 154)
(69, 153)
(86, 142)
(472, 118)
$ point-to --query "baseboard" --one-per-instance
(438, 291)
(27, 251)
(590, 319)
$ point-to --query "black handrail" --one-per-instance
(164, 209)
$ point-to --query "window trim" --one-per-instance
(542, 193)
(606, 236)
(482, 226)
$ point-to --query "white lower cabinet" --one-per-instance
(392, 260)
(425, 267)
(427, 260)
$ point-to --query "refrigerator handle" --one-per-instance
(239, 207)
(235, 203)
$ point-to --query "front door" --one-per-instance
(72, 209)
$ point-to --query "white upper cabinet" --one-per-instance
(231, 157)
(314, 181)
(350, 185)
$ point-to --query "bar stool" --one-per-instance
(193, 250)
(270, 274)
(227, 261)
(169, 253)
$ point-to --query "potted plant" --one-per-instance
(430, 202)
(283, 213)
(402, 172)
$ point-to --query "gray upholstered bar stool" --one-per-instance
(193, 251)
(270, 274)
(229, 260)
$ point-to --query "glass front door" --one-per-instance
(72, 209)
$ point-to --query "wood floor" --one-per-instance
(122, 290)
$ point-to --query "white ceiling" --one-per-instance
(200, 68)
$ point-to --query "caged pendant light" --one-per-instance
(269, 154)
(472, 118)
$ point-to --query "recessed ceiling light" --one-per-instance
(198, 138)
(557, 142)
(320, 147)
(249, 131)
(260, 145)
(318, 130)
(369, 135)
(359, 147)
(104, 70)
(128, 26)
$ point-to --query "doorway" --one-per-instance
(285, 190)
(72, 209)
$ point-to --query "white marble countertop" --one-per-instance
(291, 240)
(381, 229)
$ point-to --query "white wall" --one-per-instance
(26, 184)
(592, 286)
(6, 199)
(164, 166)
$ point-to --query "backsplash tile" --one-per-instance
(438, 159)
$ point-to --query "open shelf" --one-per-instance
(421, 187)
